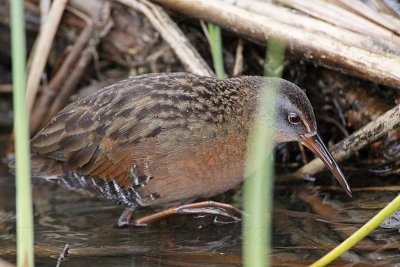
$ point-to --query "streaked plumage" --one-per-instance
(160, 139)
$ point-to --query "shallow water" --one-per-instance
(300, 236)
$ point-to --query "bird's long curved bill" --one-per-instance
(314, 142)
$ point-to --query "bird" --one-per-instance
(166, 139)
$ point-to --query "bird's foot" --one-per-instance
(124, 218)
(205, 207)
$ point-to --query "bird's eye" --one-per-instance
(294, 118)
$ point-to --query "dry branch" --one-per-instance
(5, 88)
(348, 146)
(362, 106)
(42, 51)
(70, 82)
(171, 33)
(339, 16)
(55, 95)
(363, 9)
(382, 6)
(295, 19)
(4, 263)
(320, 49)
(50, 92)
(238, 67)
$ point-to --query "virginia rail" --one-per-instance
(166, 139)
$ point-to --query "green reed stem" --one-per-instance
(258, 187)
(216, 50)
(23, 183)
(257, 197)
(361, 233)
(274, 58)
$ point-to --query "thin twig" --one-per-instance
(4, 263)
(238, 67)
(203, 26)
(170, 32)
(50, 92)
(70, 83)
(359, 139)
(44, 9)
(72, 80)
(5, 88)
(46, 36)
(68, 75)
(63, 255)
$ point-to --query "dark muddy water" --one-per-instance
(300, 235)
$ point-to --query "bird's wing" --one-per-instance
(105, 134)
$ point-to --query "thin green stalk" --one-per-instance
(273, 66)
(22, 162)
(258, 187)
(257, 197)
(214, 32)
(361, 233)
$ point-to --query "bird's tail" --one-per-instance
(40, 167)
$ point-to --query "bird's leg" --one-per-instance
(204, 207)
(124, 218)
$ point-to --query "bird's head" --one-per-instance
(295, 121)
